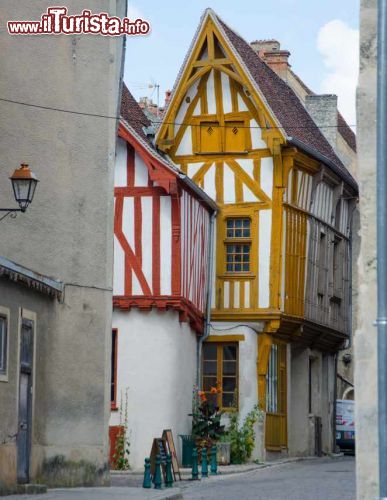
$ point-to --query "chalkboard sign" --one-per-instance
(168, 437)
(159, 447)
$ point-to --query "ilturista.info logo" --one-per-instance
(56, 21)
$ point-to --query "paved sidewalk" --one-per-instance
(103, 494)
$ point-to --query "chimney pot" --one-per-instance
(270, 52)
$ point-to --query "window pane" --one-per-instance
(209, 382)
(209, 367)
(209, 351)
(228, 400)
(246, 223)
(238, 233)
(246, 267)
(212, 398)
(229, 367)
(229, 267)
(229, 384)
(229, 352)
(246, 233)
(238, 222)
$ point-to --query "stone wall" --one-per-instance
(365, 338)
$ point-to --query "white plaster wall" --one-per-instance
(120, 169)
(185, 146)
(267, 175)
(226, 92)
(256, 136)
(156, 360)
(211, 102)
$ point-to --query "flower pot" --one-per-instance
(223, 453)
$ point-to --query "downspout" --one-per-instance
(381, 249)
(210, 284)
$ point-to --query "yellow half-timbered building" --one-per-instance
(280, 291)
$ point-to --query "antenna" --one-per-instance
(156, 86)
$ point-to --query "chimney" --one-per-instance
(270, 52)
(167, 97)
(323, 110)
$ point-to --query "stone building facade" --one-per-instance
(66, 234)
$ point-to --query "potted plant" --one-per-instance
(206, 419)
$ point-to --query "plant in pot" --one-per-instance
(206, 419)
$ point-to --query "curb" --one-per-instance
(186, 473)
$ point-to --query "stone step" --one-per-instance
(31, 489)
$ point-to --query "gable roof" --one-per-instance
(291, 116)
(284, 103)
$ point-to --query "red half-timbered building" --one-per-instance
(161, 252)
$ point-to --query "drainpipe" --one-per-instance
(210, 284)
(381, 225)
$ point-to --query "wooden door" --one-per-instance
(25, 401)
(276, 437)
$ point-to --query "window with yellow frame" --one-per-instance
(220, 371)
(238, 245)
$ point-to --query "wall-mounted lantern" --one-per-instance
(24, 183)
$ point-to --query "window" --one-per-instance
(113, 385)
(238, 245)
(220, 369)
(3, 345)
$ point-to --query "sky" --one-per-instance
(322, 37)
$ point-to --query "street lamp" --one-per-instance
(24, 183)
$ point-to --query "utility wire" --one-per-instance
(61, 110)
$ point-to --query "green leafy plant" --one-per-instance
(206, 418)
(242, 436)
(122, 445)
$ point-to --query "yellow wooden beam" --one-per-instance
(225, 338)
(246, 179)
